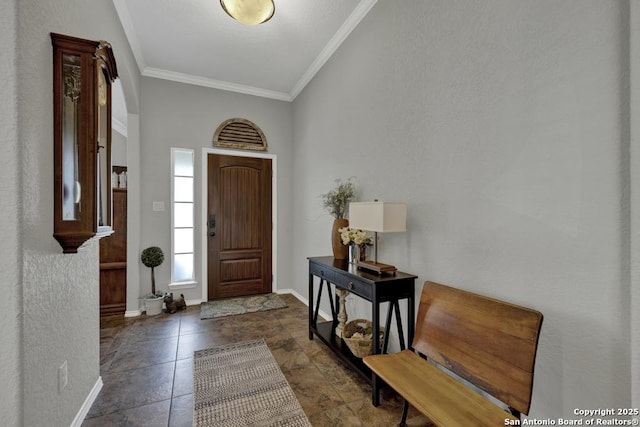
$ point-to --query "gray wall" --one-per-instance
(118, 149)
(186, 116)
(11, 224)
(503, 125)
(634, 204)
(60, 292)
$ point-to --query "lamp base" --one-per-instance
(377, 267)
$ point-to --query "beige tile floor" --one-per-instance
(147, 369)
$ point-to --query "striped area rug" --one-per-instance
(240, 385)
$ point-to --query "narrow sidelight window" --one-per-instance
(182, 189)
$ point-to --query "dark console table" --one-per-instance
(374, 288)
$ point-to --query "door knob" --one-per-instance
(212, 225)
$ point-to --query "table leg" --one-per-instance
(375, 386)
(396, 306)
(334, 314)
(342, 312)
(311, 317)
(387, 327)
(317, 309)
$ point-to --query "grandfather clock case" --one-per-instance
(83, 71)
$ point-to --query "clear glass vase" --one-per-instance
(357, 253)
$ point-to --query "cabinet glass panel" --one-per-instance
(71, 191)
(103, 158)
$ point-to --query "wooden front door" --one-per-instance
(238, 226)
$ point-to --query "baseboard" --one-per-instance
(193, 301)
(133, 313)
(295, 294)
(302, 300)
(86, 406)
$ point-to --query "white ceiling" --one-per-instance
(196, 42)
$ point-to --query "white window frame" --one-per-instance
(191, 282)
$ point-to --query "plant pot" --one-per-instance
(153, 306)
(340, 251)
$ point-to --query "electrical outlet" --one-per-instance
(63, 376)
(158, 206)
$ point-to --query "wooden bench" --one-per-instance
(488, 343)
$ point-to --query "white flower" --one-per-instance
(352, 235)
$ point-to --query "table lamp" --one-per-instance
(379, 217)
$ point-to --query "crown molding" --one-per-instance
(216, 84)
(118, 126)
(340, 36)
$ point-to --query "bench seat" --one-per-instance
(442, 399)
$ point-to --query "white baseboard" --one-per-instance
(302, 299)
(295, 294)
(86, 406)
(133, 313)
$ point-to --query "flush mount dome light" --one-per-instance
(249, 12)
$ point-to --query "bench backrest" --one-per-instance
(490, 343)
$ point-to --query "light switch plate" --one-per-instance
(158, 206)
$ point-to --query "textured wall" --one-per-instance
(60, 323)
(60, 291)
(10, 222)
(181, 115)
(634, 187)
(502, 125)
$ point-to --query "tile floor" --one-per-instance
(147, 369)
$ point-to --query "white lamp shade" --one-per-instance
(381, 217)
(249, 12)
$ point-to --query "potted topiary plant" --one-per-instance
(152, 257)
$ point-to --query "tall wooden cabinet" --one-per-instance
(113, 260)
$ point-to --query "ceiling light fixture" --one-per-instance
(249, 12)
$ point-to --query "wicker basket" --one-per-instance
(359, 346)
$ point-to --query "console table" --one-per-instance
(374, 288)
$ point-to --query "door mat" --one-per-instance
(242, 385)
(240, 305)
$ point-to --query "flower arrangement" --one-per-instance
(337, 200)
(353, 235)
